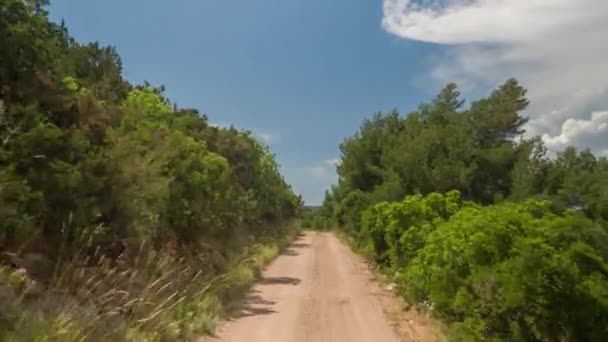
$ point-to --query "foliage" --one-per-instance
(348, 211)
(314, 218)
(154, 297)
(503, 272)
(440, 147)
(93, 167)
(478, 151)
(81, 148)
(393, 232)
(480, 225)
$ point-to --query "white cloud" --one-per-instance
(485, 21)
(592, 133)
(556, 48)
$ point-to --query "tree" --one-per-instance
(497, 119)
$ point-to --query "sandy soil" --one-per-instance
(319, 290)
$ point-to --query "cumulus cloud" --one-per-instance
(592, 132)
(489, 21)
(556, 48)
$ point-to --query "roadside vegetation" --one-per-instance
(156, 297)
(122, 215)
(478, 225)
(313, 218)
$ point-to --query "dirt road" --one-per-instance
(317, 290)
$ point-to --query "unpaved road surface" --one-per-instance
(318, 290)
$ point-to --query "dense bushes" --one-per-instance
(312, 219)
(146, 295)
(85, 155)
(478, 151)
(503, 272)
(383, 235)
(92, 168)
(517, 252)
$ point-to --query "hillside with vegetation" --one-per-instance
(122, 215)
(476, 223)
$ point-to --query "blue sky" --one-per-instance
(302, 74)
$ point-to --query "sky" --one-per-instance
(303, 74)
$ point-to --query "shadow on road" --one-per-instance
(292, 250)
(280, 281)
(254, 305)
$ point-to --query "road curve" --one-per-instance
(317, 290)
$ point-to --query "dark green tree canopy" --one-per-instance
(81, 149)
(501, 240)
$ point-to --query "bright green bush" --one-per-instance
(395, 231)
(514, 271)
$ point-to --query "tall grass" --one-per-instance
(149, 296)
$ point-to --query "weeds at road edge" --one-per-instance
(157, 298)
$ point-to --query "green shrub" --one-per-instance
(394, 231)
(348, 212)
(514, 271)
